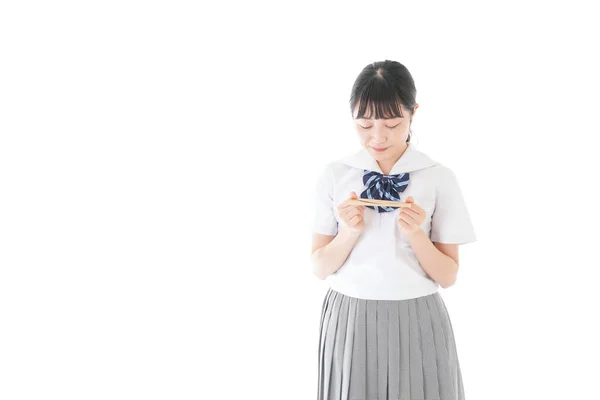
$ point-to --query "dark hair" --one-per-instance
(380, 88)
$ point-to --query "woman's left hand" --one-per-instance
(411, 218)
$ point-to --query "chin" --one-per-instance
(379, 155)
(394, 149)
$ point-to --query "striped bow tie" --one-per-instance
(383, 187)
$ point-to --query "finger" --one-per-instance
(355, 220)
(415, 220)
(403, 224)
(418, 208)
(410, 211)
(413, 204)
(352, 213)
(346, 203)
(346, 215)
(360, 210)
(408, 219)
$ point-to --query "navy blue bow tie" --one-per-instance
(383, 187)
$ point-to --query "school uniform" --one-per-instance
(385, 332)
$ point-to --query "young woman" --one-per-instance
(385, 332)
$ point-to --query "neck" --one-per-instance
(387, 165)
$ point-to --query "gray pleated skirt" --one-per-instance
(387, 350)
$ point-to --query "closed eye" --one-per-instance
(369, 127)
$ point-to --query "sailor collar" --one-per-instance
(411, 160)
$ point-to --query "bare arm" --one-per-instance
(330, 252)
(439, 260)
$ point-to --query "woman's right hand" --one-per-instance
(352, 216)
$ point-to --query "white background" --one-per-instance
(157, 167)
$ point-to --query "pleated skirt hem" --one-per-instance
(387, 350)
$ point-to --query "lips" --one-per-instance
(380, 150)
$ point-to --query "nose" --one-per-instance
(378, 136)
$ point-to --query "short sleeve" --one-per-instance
(324, 221)
(450, 221)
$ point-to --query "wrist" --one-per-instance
(353, 233)
(415, 235)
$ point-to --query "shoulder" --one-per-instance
(442, 171)
(431, 165)
(439, 173)
(443, 178)
(334, 170)
(329, 175)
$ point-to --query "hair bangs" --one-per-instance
(379, 100)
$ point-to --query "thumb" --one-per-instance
(353, 195)
(409, 199)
